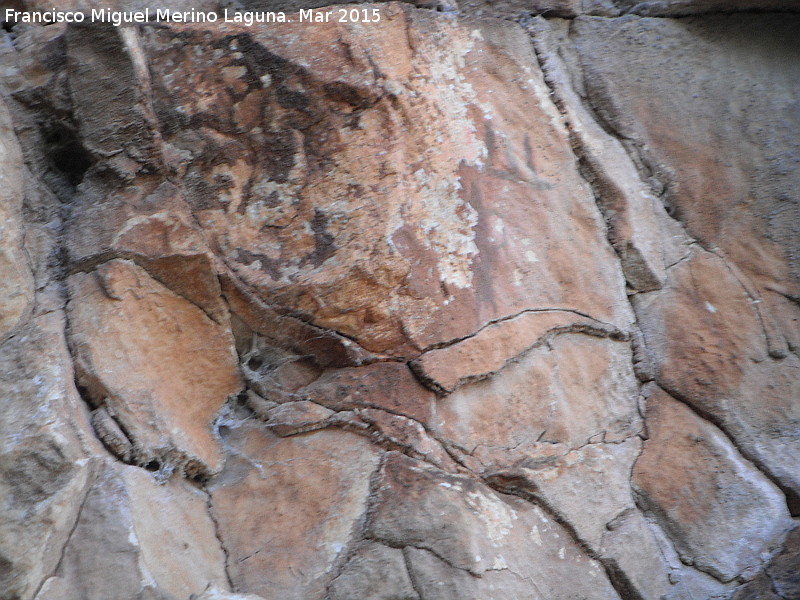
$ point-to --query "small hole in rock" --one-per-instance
(153, 465)
(66, 152)
(255, 363)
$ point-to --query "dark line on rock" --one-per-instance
(792, 498)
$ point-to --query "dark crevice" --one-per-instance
(65, 152)
(218, 535)
(642, 14)
(415, 584)
(90, 481)
(515, 486)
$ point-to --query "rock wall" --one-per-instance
(492, 302)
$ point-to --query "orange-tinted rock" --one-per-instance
(490, 349)
(721, 513)
(152, 226)
(455, 220)
(287, 508)
(709, 348)
(580, 389)
(160, 365)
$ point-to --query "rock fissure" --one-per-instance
(792, 499)
(88, 488)
(604, 329)
(502, 484)
(218, 535)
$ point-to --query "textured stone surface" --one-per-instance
(16, 285)
(465, 529)
(591, 395)
(439, 262)
(375, 572)
(728, 343)
(308, 492)
(135, 538)
(158, 364)
(686, 461)
(430, 307)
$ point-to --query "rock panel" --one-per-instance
(375, 572)
(579, 389)
(491, 348)
(464, 539)
(420, 251)
(46, 441)
(710, 350)
(16, 280)
(136, 538)
(287, 508)
(721, 513)
(157, 363)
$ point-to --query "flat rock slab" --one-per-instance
(491, 348)
(158, 364)
(686, 466)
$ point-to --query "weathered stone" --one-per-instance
(297, 417)
(16, 281)
(288, 508)
(152, 226)
(439, 262)
(160, 366)
(409, 246)
(637, 220)
(580, 389)
(387, 385)
(475, 532)
(374, 572)
(143, 537)
(731, 182)
(783, 568)
(685, 466)
(491, 348)
(679, 8)
(709, 348)
(396, 432)
(214, 593)
(45, 439)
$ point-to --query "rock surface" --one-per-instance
(430, 307)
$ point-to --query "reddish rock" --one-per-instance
(417, 253)
(687, 465)
(389, 386)
(287, 508)
(160, 366)
(491, 348)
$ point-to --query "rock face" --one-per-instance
(492, 302)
